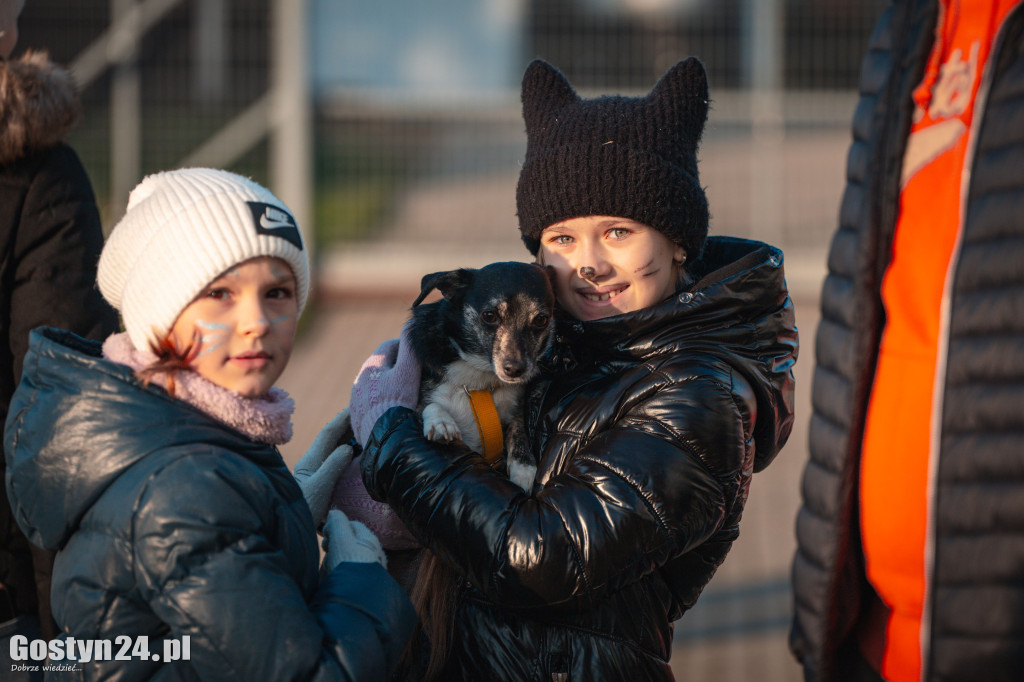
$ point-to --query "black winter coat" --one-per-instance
(51, 238)
(646, 435)
(168, 523)
(975, 594)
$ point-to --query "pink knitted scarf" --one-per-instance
(266, 419)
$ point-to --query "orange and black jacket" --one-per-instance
(974, 592)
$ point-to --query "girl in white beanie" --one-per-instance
(150, 464)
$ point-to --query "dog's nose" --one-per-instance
(512, 369)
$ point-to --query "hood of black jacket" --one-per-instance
(77, 422)
(738, 310)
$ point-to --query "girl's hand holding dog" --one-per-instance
(389, 378)
(319, 469)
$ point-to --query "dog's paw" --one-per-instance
(522, 474)
(438, 425)
(445, 431)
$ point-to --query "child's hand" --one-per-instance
(350, 496)
(319, 469)
(346, 540)
(390, 377)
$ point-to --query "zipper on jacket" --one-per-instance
(945, 312)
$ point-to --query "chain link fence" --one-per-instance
(772, 157)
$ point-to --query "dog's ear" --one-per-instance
(449, 283)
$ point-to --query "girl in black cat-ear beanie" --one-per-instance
(670, 382)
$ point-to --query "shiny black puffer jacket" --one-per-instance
(167, 523)
(646, 437)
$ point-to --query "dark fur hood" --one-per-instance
(38, 105)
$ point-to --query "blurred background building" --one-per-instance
(393, 129)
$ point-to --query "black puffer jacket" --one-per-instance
(974, 603)
(167, 523)
(51, 238)
(646, 439)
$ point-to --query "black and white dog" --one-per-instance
(488, 333)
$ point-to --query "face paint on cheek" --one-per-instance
(644, 267)
(645, 271)
(279, 320)
(213, 339)
(209, 349)
(212, 325)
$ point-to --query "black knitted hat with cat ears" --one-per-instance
(630, 157)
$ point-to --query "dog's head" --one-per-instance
(500, 317)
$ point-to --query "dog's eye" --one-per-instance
(540, 321)
(489, 317)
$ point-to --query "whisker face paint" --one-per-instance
(645, 269)
(216, 337)
(213, 325)
(208, 350)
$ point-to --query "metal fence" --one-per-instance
(782, 76)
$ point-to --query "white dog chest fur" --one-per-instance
(448, 414)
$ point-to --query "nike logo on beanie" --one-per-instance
(275, 221)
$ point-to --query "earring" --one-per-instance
(586, 271)
(681, 261)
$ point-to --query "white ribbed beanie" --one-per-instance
(182, 229)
